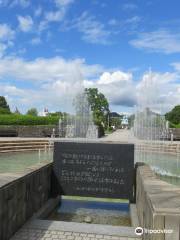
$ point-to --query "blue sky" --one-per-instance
(49, 48)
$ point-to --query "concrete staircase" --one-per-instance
(24, 145)
(171, 148)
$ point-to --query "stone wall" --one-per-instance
(158, 205)
(30, 131)
(35, 131)
(21, 195)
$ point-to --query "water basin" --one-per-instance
(92, 211)
(167, 166)
(15, 162)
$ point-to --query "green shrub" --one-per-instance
(4, 111)
(26, 120)
(172, 125)
(174, 115)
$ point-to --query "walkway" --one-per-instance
(36, 234)
(41, 231)
(120, 135)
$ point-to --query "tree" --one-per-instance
(56, 114)
(99, 106)
(174, 115)
(115, 121)
(4, 107)
(32, 112)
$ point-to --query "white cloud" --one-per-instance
(107, 78)
(38, 11)
(113, 22)
(3, 47)
(176, 65)
(10, 90)
(117, 86)
(129, 6)
(55, 81)
(47, 70)
(159, 91)
(22, 3)
(6, 33)
(25, 23)
(158, 41)
(36, 41)
(55, 16)
(93, 31)
(133, 20)
(62, 3)
(6, 37)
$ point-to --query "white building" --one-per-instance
(44, 113)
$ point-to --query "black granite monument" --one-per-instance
(95, 169)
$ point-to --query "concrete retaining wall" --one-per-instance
(21, 195)
(30, 131)
(158, 205)
(34, 131)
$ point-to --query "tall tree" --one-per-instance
(4, 107)
(174, 115)
(99, 105)
(32, 112)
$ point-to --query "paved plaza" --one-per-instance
(37, 234)
(78, 231)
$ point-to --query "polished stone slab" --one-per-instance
(94, 169)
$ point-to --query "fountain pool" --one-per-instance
(166, 165)
(15, 162)
(91, 210)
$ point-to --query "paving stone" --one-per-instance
(70, 237)
(91, 235)
(83, 234)
(107, 237)
(62, 237)
(99, 236)
(78, 238)
(38, 234)
(76, 234)
(86, 238)
(68, 233)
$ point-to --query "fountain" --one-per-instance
(150, 129)
(80, 124)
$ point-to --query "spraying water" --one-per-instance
(80, 124)
(150, 128)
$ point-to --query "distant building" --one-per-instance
(125, 122)
(44, 113)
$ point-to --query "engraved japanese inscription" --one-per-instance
(95, 169)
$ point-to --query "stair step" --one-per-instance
(19, 150)
(24, 147)
(25, 142)
(21, 145)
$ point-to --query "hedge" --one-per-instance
(172, 125)
(26, 120)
